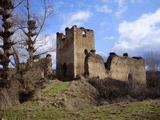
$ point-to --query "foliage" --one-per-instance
(153, 79)
(112, 90)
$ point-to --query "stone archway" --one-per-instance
(86, 71)
(130, 80)
(64, 70)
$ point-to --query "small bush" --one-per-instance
(153, 79)
(114, 89)
(110, 89)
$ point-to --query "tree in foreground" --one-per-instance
(6, 7)
(31, 27)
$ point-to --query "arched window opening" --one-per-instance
(84, 34)
(85, 51)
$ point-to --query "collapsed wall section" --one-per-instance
(125, 68)
(95, 66)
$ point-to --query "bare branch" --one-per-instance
(15, 6)
(43, 21)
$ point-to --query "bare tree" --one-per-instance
(28, 29)
(32, 29)
(152, 60)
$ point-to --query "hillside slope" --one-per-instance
(71, 95)
(146, 110)
(77, 101)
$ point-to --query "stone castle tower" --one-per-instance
(71, 49)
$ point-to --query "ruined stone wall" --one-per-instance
(70, 51)
(125, 68)
(95, 66)
(47, 66)
(84, 40)
(42, 68)
(65, 54)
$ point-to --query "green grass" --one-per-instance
(54, 89)
(37, 110)
(145, 110)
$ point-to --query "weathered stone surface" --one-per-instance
(42, 68)
(76, 58)
(126, 69)
(47, 66)
(95, 66)
(70, 51)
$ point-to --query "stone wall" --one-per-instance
(70, 49)
(72, 61)
(65, 54)
(94, 66)
(42, 68)
(47, 66)
(126, 68)
(84, 40)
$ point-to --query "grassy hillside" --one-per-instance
(146, 110)
(80, 96)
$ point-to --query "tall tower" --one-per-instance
(70, 50)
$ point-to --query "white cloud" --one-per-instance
(140, 35)
(77, 18)
(122, 7)
(103, 9)
(109, 38)
(46, 44)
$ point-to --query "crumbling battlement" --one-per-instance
(76, 57)
(126, 68)
(70, 51)
(94, 65)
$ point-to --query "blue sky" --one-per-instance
(131, 26)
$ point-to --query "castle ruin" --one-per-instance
(76, 57)
(41, 68)
(72, 50)
(126, 68)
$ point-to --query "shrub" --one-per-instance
(110, 89)
(153, 79)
